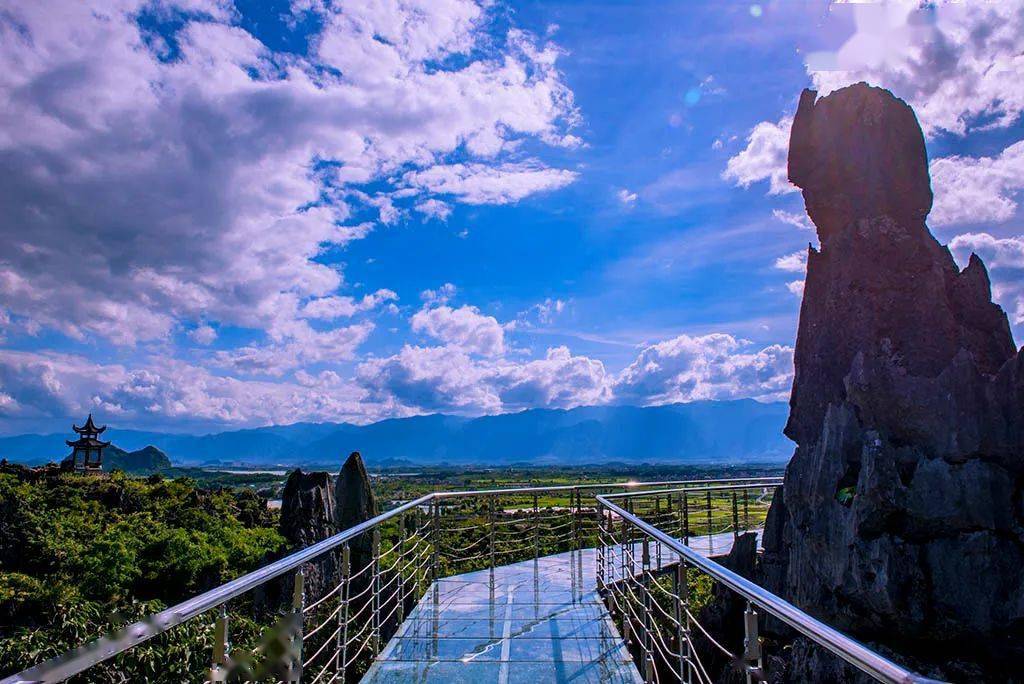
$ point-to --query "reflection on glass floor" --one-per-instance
(531, 622)
(535, 621)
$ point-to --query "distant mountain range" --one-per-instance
(696, 432)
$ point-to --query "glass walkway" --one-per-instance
(533, 621)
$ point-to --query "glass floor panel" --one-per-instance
(531, 622)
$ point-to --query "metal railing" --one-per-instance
(331, 606)
(662, 589)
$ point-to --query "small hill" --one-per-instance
(146, 460)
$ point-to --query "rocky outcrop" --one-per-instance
(307, 517)
(356, 504)
(900, 517)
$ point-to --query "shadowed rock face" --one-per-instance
(900, 517)
(307, 517)
(355, 504)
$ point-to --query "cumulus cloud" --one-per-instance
(487, 184)
(241, 164)
(764, 158)
(203, 334)
(334, 307)
(424, 379)
(977, 189)
(793, 263)
(435, 209)
(714, 366)
(796, 287)
(464, 328)
(960, 66)
(298, 345)
(685, 368)
(50, 385)
(1004, 258)
(439, 296)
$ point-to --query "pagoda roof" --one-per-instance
(88, 428)
(89, 442)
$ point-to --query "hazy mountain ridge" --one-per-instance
(695, 432)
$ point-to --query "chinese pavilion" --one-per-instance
(87, 456)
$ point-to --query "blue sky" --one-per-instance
(231, 214)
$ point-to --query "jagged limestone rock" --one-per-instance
(900, 517)
(307, 517)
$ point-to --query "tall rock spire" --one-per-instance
(900, 517)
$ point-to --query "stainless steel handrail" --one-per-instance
(739, 484)
(848, 649)
(603, 485)
(94, 652)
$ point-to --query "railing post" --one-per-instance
(574, 512)
(341, 645)
(657, 516)
(751, 643)
(221, 646)
(490, 527)
(735, 516)
(648, 642)
(711, 539)
(376, 607)
(536, 528)
(686, 519)
(298, 601)
(398, 564)
(623, 543)
(746, 509)
(435, 534)
(599, 565)
(579, 532)
(683, 605)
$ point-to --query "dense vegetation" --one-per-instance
(79, 555)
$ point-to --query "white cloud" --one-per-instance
(977, 189)
(960, 66)
(424, 379)
(797, 220)
(464, 328)
(796, 287)
(764, 158)
(203, 334)
(439, 296)
(297, 345)
(429, 379)
(334, 307)
(714, 366)
(435, 208)
(543, 312)
(485, 184)
(51, 385)
(240, 163)
(626, 197)
(793, 263)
